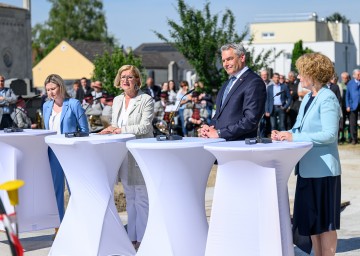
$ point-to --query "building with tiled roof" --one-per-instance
(163, 62)
(72, 60)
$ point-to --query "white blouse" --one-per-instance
(124, 114)
(54, 122)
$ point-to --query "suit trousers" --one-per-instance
(353, 126)
(278, 112)
(6, 121)
(137, 205)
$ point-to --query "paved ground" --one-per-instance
(349, 233)
(39, 243)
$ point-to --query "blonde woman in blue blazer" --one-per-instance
(61, 114)
(318, 187)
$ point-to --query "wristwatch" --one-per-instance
(219, 133)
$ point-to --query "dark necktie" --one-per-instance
(227, 89)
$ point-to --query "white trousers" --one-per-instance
(137, 205)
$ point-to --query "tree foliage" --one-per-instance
(337, 17)
(199, 37)
(298, 50)
(262, 60)
(107, 66)
(72, 20)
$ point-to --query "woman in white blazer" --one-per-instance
(133, 112)
(318, 187)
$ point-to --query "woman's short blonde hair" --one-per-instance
(135, 72)
(316, 67)
(56, 79)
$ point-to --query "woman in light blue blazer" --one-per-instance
(61, 114)
(318, 187)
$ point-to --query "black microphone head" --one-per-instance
(189, 91)
(98, 98)
(281, 92)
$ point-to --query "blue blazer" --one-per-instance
(320, 125)
(72, 118)
(352, 95)
(284, 97)
(243, 107)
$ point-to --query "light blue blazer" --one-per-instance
(320, 125)
(72, 117)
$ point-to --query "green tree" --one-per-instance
(298, 50)
(337, 17)
(199, 37)
(263, 59)
(72, 20)
(107, 66)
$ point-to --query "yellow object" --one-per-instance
(12, 188)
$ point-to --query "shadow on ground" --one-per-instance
(34, 243)
(347, 245)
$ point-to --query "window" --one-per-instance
(268, 35)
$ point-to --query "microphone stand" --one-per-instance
(80, 133)
(17, 129)
(258, 138)
(171, 136)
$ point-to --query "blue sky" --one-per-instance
(131, 21)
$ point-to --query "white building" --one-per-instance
(340, 42)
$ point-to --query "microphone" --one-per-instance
(258, 138)
(80, 133)
(17, 129)
(172, 115)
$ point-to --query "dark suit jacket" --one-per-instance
(238, 118)
(284, 97)
(80, 94)
(156, 89)
(336, 89)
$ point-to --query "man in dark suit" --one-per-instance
(334, 87)
(7, 101)
(84, 90)
(152, 89)
(353, 104)
(276, 106)
(240, 102)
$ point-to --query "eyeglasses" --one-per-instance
(127, 77)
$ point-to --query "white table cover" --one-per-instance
(23, 155)
(176, 174)
(250, 212)
(91, 225)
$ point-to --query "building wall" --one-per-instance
(339, 32)
(340, 42)
(343, 55)
(284, 32)
(65, 61)
(308, 31)
(323, 33)
(355, 39)
(15, 43)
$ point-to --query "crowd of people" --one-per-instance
(184, 112)
(281, 111)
